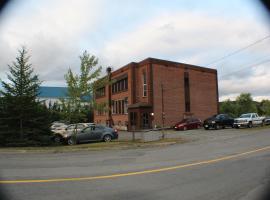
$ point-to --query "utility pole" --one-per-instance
(162, 109)
(109, 70)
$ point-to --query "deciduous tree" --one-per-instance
(80, 89)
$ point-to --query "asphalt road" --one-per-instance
(224, 164)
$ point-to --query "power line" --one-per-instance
(239, 50)
(252, 65)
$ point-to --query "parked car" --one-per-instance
(68, 130)
(248, 120)
(92, 133)
(218, 121)
(58, 126)
(186, 124)
(267, 120)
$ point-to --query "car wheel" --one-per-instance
(57, 139)
(71, 141)
(206, 128)
(217, 127)
(250, 125)
(107, 138)
(184, 128)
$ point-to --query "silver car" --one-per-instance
(66, 131)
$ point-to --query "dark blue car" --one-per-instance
(92, 133)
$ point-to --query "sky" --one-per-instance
(56, 32)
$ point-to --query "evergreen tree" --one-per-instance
(20, 93)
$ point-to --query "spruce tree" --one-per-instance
(20, 96)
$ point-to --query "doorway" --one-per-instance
(145, 120)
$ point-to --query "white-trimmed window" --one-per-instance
(144, 81)
(120, 106)
(126, 105)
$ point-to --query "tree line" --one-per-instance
(24, 120)
(244, 103)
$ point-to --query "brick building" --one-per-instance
(152, 92)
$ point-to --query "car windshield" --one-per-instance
(100, 126)
(245, 116)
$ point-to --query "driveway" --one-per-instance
(223, 164)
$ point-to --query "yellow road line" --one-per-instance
(137, 172)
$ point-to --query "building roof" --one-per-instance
(56, 93)
(52, 92)
(166, 63)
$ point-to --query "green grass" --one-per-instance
(93, 146)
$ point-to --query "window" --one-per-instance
(80, 126)
(120, 106)
(144, 84)
(133, 118)
(126, 105)
(100, 127)
(100, 92)
(120, 85)
(112, 107)
(187, 92)
(87, 130)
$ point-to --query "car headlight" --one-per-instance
(213, 122)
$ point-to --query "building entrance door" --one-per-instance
(145, 120)
(133, 120)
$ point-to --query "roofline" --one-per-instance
(150, 60)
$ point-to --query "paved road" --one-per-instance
(244, 176)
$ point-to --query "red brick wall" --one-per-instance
(139, 83)
(203, 94)
(203, 91)
(173, 96)
(101, 118)
(117, 118)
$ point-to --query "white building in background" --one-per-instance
(51, 95)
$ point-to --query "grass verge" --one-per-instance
(93, 146)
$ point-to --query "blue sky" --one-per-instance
(56, 32)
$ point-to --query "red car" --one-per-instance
(190, 123)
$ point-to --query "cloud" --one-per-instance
(56, 32)
(198, 38)
(257, 84)
(51, 30)
(187, 37)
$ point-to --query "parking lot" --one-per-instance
(211, 157)
(198, 134)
